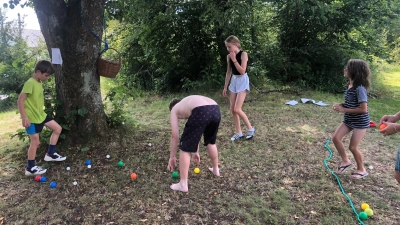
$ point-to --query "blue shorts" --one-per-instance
(239, 83)
(397, 167)
(37, 128)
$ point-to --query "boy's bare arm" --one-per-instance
(21, 108)
(174, 134)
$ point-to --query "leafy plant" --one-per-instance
(114, 108)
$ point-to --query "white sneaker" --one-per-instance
(236, 137)
(36, 170)
(250, 134)
(55, 157)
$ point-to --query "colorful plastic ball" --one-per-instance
(196, 170)
(369, 211)
(88, 162)
(37, 178)
(364, 206)
(363, 215)
(175, 174)
(53, 184)
(43, 179)
(120, 164)
(133, 176)
(382, 126)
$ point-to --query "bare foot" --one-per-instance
(214, 171)
(178, 187)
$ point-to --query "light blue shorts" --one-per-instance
(397, 167)
(239, 83)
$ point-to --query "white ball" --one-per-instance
(123, 123)
(371, 167)
(107, 156)
(68, 168)
(89, 166)
(149, 144)
(75, 183)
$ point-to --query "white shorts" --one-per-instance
(239, 83)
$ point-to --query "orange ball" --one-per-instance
(133, 176)
(382, 126)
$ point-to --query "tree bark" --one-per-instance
(67, 26)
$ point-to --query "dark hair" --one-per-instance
(359, 72)
(44, 66)
(173, 103)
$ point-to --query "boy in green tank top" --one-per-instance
(31, 107)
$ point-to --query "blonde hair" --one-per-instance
(233, 40)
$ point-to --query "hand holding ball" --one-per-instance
(382, 126)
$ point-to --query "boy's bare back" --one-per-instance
(184, 108)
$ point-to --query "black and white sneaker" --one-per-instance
(36, 170)
(237, 137)
(250, 133)
(55, 157)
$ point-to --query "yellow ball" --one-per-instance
(369, 211)
(196, 170)
(364, 206)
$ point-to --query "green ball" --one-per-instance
(120, 164)
(363, 215)
(175, 175)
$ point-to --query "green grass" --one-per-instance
(279, 177)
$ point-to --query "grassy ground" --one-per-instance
(279, 177)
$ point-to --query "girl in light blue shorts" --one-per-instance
(239, 86)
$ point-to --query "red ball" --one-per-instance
(37, 178)
(382, 126)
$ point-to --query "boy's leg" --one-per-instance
(51, 152)
(355, 141)
(33, 146)
(32, 169)
(56, 128)
(337, 137)
(184, 162)
(213, 153)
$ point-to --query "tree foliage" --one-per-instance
(177, 44)
(318, 37)
(170, 45)
(16, 58)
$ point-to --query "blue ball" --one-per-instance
(88, 162)
(53, 184)
(43, 179)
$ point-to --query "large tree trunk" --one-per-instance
(77, 80)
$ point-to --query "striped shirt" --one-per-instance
(352, 99)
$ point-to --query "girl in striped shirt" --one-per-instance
(356, 118)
